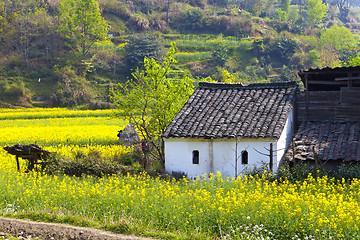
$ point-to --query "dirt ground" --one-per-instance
(39, 230)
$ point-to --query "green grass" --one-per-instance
(191, 57)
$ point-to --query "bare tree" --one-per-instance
(344, 7)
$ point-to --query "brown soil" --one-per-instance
(40, 230)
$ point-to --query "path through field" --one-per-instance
(45, 231)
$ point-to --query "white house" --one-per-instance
(230, 127)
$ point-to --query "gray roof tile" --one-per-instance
(218, 110)
(331, 140)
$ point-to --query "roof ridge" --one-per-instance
(345, 69)
(219, 85)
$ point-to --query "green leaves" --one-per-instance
(316, 11)
(152, 99)
(340, 38)
(82, 23)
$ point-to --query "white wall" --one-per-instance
(284, 141)
(214, 155)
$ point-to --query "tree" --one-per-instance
(351, 62)
(316, 11)
(344, 7)
(141, 46)
(6, 21)
(285, 5)
(72, 90)
(253, 6)
(34, 35)
(81, 23)
(341, 39)
(151, 100)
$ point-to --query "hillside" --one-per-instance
(47, 60)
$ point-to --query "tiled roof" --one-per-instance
(330, 140)
(331, 70)
(219, 110)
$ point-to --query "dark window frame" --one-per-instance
(195, 157)
(244, 157)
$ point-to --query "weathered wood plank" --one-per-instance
(350, 95)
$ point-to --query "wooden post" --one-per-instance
(17, 163)
(349, 83)
(306, 95)
(271, 157)
(236, 157)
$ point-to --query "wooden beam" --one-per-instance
(347, 78)
(325, 82)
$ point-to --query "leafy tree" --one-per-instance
(34, 34)
(141, 46)
(351, 62)
(82, 23)
(341, 39)
(227, 77)
(268, 9)
(220, 55)
(151, 100)
(192, 18)
(6, 19)
(253, 6)
(316, 11)
(285, 5)
(286, 47)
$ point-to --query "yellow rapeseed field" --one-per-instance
(210, 207)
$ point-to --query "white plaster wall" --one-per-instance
(214, 155)
(284, 141)
(178, 156)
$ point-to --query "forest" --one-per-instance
(70, 53)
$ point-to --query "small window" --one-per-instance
(244, 157)
(195, 157)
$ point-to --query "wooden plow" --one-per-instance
(32, 153)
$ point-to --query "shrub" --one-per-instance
(92, 164)
(158, 23)
(258, 172)
(72, 89)
(114, 7)
(229, 26)
(13, 90)
(82, 164)
(138, 22)
(348, 171)
(220, 55)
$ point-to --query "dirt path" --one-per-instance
(30, 229)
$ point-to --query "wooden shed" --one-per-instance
(329, 117)
(330, 94)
